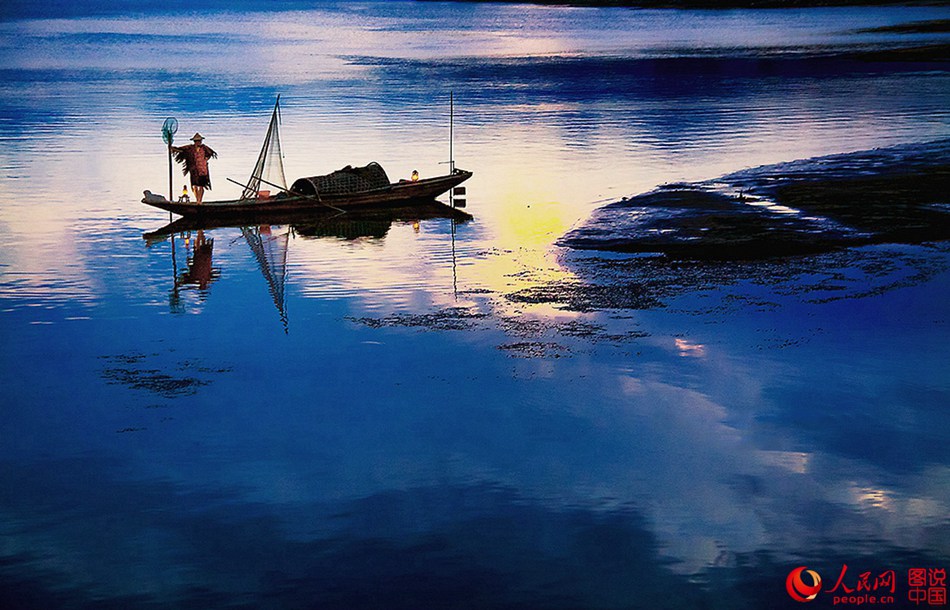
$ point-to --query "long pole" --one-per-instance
(171, 191)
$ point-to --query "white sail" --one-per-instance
(270, 164)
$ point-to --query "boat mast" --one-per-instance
(451, 131)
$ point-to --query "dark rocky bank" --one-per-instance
(893, 195)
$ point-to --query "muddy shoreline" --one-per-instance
(845, 226)
(810, 206)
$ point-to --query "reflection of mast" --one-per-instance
(455, 282)
(271, 254)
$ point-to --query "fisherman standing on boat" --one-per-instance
(195, 157)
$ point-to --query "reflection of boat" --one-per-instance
(343, 189)
(268, 238)
(358, 223)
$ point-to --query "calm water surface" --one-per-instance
(358, 416)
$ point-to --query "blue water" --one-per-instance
(392, 428)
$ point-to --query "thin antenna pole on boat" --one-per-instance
(451, 131)
(452, 143)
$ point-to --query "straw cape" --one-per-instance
(195, 157)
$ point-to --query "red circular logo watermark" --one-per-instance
(799, 589)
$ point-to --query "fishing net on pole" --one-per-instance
(270, 163)
(169, 129)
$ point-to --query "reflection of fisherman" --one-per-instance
(195, 157)
(199, 268)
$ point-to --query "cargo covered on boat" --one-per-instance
(344, 181)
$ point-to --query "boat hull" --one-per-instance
(400, 194)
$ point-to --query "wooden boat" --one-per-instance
(360, 187)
